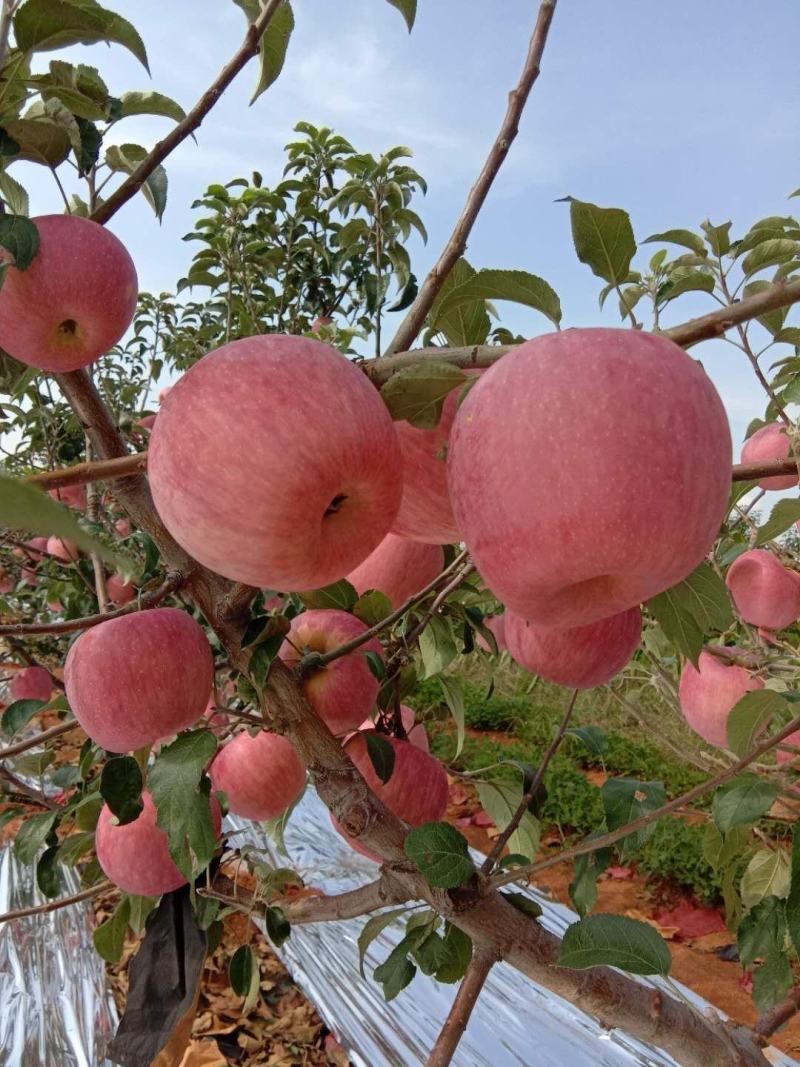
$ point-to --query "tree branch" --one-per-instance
(102, 470)
(56, 905)
(773, 1020)
(38, 739)
(456, 246)
(187, 126)
(458, 1016)
(145, 601)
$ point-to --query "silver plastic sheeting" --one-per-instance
(516, 1023)
(55, 1007)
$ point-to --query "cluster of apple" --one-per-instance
(586, 471)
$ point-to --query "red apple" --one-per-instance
(136, 856)
(416, 791)
(579, 657)
(37, 545)
(708, 694)
(61, 549)
(765, 593)
(119, 591)
(399, 568)
(783, 755)
(274, 462)
(415, 731)
(123, 527)
(33, 683)
(426, 513)
(73, 496)
(140, 678)
(589, 470)
(344, 692)
(261, 776)
(768, 443)
(74, 302)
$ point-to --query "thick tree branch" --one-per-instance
(187, 126)
(101, 470)
(456, 246)
(145, 601)
(750, 472)
(773, 1020)
(458, 1016)
(56, 905)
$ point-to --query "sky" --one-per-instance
(675, 112)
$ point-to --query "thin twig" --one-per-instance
(501, 841)
(101, 470)
(28, 792)
(457, 1018)
(38, 739)
(443, 594)
(456, 246)
(93, 515)
(611, 838)
(187, 126)
(67, 626)
(6, 15)
(773, 1020)
(56, 905)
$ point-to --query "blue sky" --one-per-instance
(673, 111)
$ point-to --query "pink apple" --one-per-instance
(344, 692)
(416, 791)
(784, 755)
(135, 857)
(6, 581)
(61, 549)
(74, 302)
(708, 694)
(164, 393)
(55, 606)
(119, 591)
(768, 443)
(261, 776)
(399, 568)
(28, 576)
(147, 422)
(123, 527)
(32, 683)
(274, 462)
(320, 321)
(37, 545)
(765, 593)
(497, 624)
(426, 513)
(140, 678)
(74, 496)
(575, 473)
(579, 657)
(415, 731)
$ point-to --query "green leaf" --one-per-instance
(793, 898)
(441, 853)
(14, 195)
(24, 507)
(21, 238)
(109, 937)
(626, 799)
(408, 9)
(453, 690)
(720, 851)
(685, 280)
(455, 956)
(91, 142)
(373, 607)
(376, 665)
(74, 847)
(522, 903)
(407, 296)
(141, 907)
(783, 515)
(381, 754)
(615, 941)
(126, 158)
(583, 887)
(417, 394)
(772, 320)
(595, 738)
(770, 253)
(743, 800)
(772, 981)
(39, 139)
(692, 609)
(46, 25)
(437, 646)
(340, 595)
(679, 237)
(32, 835)
(516, 285)
(244, 974)
(183, 812)
(468, 324)
(603, 239)
(768, 873)
(48, 873)
(749, 716)
(274, 43)
(762, 930)
(396, 971)
(718, 238)
(19, 714)
(371, 929)
(500, 800)
(121, 788)
(278, 927)
(790, 335)
(150, 103)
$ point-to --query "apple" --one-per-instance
(73, 496)
(770, 442)
(708, 694)
(164, 393)
(28, 576)
(38, 545)
(426, 513)
(135, 857)
(61, 549)
(123, 527)
(497, 624)
(140, 678)
(147, 422)
(415, 731)
(32, 683)
(320, 321)
(55, 606)
(343, 693)
(579, 657)
(399, 568)
(783, 755)
(416, 791)
(766, 593)
(6, 581)
(75, 300)
(119, 591)
(261, 776)
(275, 462)
(589, 470)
